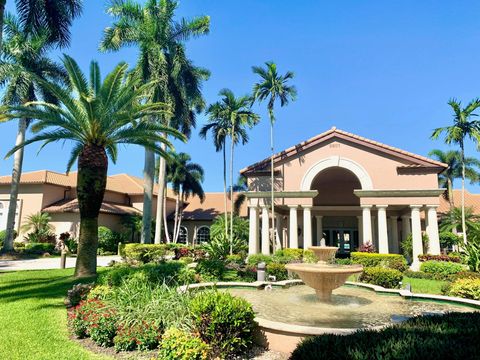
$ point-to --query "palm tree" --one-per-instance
(463, 127)
(152, 28)
(237, 115)
(97, 117)
(453, 159)
(38, 16)
(240, 187)
(273, 87)
(454, 219)
(38, 223)
(186, 179)
(24, 59)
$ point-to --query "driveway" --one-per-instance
(48, 263)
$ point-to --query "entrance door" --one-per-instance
(345, 239)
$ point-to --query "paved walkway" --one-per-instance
(48, 263)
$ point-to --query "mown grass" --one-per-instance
(33, 316)
(424, 286)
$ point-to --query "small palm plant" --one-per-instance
(96, 117)
(38, 226)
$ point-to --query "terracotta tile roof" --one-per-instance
(471, 200)
(334, 132)
(210, 208)
(71, 206)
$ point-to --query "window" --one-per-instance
(203, 234)
(183, 235)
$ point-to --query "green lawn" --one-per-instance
(33, 317)
(424, 286)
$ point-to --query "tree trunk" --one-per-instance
(225, 189)
(464, 227)
(148, 175)
(450, 194)
(272, 188)
(2, 14)
(16, 174)
(160, 196)
(175, 221)
(167, 235)
(231, 191)
(91, 182)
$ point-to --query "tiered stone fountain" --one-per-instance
(322, 276)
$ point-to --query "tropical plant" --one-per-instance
(463, 128)
(39, 227)
(453, 220)
(97, 117)
(239, 188)
(24, 60)
(272, 87)
(152, 28)
(186, 180)
(220, 245)
(453, 159)
(237, 114)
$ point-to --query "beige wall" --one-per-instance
(70, 222)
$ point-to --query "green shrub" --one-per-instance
(255, 259)
(289, 255)
(235, 259)
(181, 345)
(211, 269)
(224, 322)
(472, 254)
(40, 248)
(103, 330)
(278, 270)
(418, 275)
(309, 257)
(346, 261)
(449, 239)
(140, 336)
(466, 288)
(100, 292)
(3, 235)
(407, 245)
(392, 261)
(388, 278)
(447, 258)
(440, 267)
(248, 273)
(145, 253)
(220, 245)
(450, 336)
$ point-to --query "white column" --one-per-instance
(382, 229)
(253, 247)
(394, 235)
(367, 224)
(320, 239)
(265, 231)
(279, 232)
(293, 227)
(432, 230)
(416, 236)
(406, 230)
(360, 229)
(307, 226)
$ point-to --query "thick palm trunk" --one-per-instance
(450, 194)
(272, 188)
(2, 14)
(167, 235)
(225, 189)
(16, 174)
(464, 227)
(148, 175)
(231, 192)
(160, 197)
(91, 182)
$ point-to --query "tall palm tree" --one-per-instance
(238, 116)
(453, 159)
(38, 16)
(152, 28)
(23, 60)
(96, 117)
(240, 187)
(463, 128)
(454, 219)
(272, 87)
(186, 179)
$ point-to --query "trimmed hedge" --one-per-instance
(388, 278)
(392, 261)
(278, 270)
(441, 268)
(144, 252)
(466, 288)
(40, 248)
(450, 336)
(447, 258)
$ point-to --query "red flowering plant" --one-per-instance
(367, 248)
(140, 336)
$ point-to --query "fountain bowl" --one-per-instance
(324, 254)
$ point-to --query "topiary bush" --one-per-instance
(466, 288)
(224, 322)
(392, 261)
(181, 345)
(388, 278)
(278, 270)
(440, 268)
(450, 336)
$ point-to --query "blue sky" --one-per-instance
(382, 69)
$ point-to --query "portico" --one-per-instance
(347, 190)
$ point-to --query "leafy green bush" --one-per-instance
(211, 269)
(235, 259)
(472, 254)
(224, 322)
(278, 270)
(220, 245)
(392, 261)
(407, 245)
(440, 267)
(181, 345)
(466, 288)
(140, 336)
(256, 259)
(100, 292)
(388, 278)
(145, 253)
(40, 248)
(450, 336)
(449, 239)
(3, 235)
(346, 261)
(290, 255)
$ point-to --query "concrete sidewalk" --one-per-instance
(48, 263)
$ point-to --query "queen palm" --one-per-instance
(464, 127)
(186, 179)
(273, 87)
(96, 117)
(24, 59)
(152, 28)
(453, 159)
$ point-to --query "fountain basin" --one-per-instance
(324, 254)
(324, 278)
